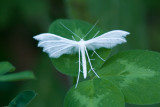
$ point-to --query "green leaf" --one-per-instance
(68, 64)
(6, 67)
(22, 99)
(137, 74)
(94, 93)
(18, 76)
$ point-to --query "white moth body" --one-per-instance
(82, 47)
(56, 46)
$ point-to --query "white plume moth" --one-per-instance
(56, 46)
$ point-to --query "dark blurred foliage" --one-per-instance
(20, 20)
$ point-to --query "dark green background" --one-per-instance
(20, 20)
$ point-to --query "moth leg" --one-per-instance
(90, 63)
(80, 64)
(92, 53)
(79, 68)
(90, 70)
(99, 56)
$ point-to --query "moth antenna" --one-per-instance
(79, 68)
(90, 63)
(69, 30)
(91, 29)
(96, 34)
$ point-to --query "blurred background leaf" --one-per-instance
(50, 85)
(22, 99)
(6, 76)
(17, 76)
(6, 67)
(20, 20)
(114, 14)
(136, 74)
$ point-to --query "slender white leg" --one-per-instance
(99, 56)
(79, 68)
(93, 53)
(89, 70)
(90, 63)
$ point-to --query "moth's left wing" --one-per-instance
(107, 40)
(55, 45)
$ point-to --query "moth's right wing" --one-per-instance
(107, 40)
(55, 45)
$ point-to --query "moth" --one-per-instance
(56, 46)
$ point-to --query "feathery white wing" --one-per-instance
(55, 45)
(107, 40)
